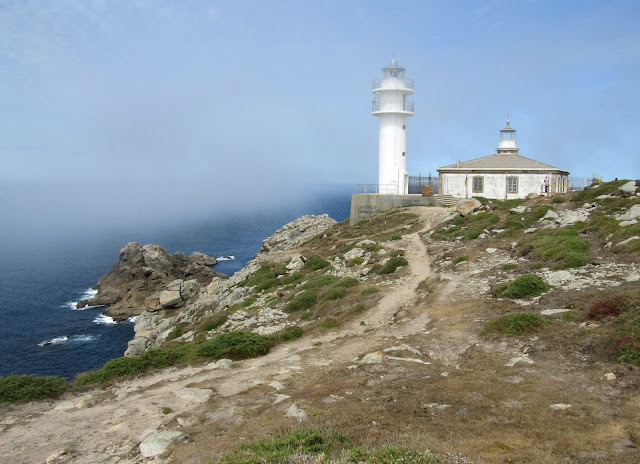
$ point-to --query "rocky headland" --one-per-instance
(498, 331)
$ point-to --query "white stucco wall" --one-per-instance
(495, 184)
(392, 164)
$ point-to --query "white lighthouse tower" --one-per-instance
(507, 144)
(390, 104)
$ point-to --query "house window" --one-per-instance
(478, 184)
(512, 185)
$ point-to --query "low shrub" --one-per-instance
(628, 348)
(514, 324)
(556, 200)
(355, 261)
(265, 278)
(610, 307)
(509, 267)
(116, 368)
(320, 281)
(213, 323)
(315, 262)
(347, 282)
(303, 300)
(370, 290)
(289, 334)
(395, 237)
(372, 247)
(523, 286)
(328, 324)
(561, 247)
(358, 308)
(236, 345)
(21, 388)
(398, 253)
(460, 259)
(178, 331)
(334, 293)
(390, 266)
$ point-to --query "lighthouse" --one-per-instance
(390, 104)
(507, 143)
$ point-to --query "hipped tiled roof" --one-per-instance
(512, 162)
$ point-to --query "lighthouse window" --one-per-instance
(404, 153)
(404, 126)
(478, 184)
(512, 185)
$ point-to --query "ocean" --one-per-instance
(43, 333)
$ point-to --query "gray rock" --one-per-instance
(468, 206)
(356, 252)
(532, 195)
(632, 213)
(560, 406)
(295, 411)
(628, 223)
(202, 258)
(518, 209)
(630, 239)
(629, 187)
(171, 299)
(566, 218)
(297, 232)
(297, 262)
(373, 358)
(280, 398)
(403, 347)
(551, 312)
(159, 441)
(194, 394)
(519, 359)
(277, 385)
(550, 215)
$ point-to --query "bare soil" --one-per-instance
(459, 398)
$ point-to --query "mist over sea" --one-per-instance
(42, 333)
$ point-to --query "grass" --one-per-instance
(347, 282)
(561, 248)
(212, 324)
(318, 446)
(265, 278)
(390, 266)
(236, 345)
(334, 293)
(522, 287)
(328, 324)
(515, 324)
(178, 331)
(460, 259)
(469, 227)
(22, 388)
(557, 200)
(590, 194)
(319, 281)
(369, 291)
(509, 267)
(315, 262)
(303, 300)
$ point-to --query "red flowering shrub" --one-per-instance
(609, 307)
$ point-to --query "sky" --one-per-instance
(142, 108)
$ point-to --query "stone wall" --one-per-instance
(364, 206)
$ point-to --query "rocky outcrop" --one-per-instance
(145, 271)
(297, 232)
(468, 206)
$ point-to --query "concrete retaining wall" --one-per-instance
(364, 206)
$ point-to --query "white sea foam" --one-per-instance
(226, 258)
(102, 319)
(88, 294)
(54, 341)
(132, 319)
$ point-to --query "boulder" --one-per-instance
(630, 239)
(171, 299)
(195, 394)
(297, 262)
(159, 441)
(552, 215)
(631, 214)
(295, 411)
(629, 187)
(356, 252)
(297, 232)
(518, 209)
(141, 273)
(566, 218)
(202, 258)
(468, 206)
(377, 357)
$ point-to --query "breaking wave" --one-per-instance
(89, 293)
(102, 319)
(65, 339)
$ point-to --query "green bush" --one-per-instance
(289, 334)
(315, 262)
(236, 345)
(178, 331)
(509, 267)
(590, 194)
(515, 324)
(328, 324)
(21, 388)
(523, 286)
(347, 282)
(561, 247)
(303, 300)
(390, 266)
(334, 293)
(556, 200)
(460, 259)
(212, 324)
(395, 237)
(116, 368)
(319, 281)
(370, 290)
(355, 261)
(265, 278)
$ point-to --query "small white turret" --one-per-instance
(390, 104)
(507, 144)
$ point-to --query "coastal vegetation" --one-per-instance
(521, 287)
(321, 446)
(21, 388)
(514, 324)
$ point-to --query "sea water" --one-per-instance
(41, 330)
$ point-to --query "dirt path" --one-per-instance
(106, 426)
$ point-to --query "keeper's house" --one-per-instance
(502, 176)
